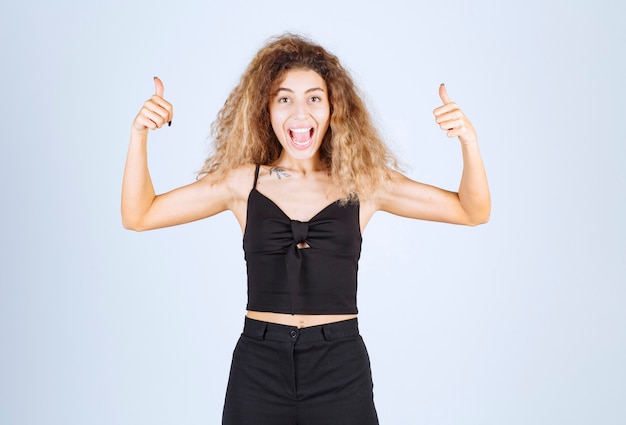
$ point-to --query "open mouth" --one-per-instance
(301, 137)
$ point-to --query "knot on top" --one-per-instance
(299, 230)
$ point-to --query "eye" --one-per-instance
(315, 99)
(283, 99)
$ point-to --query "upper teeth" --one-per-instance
(300, 130)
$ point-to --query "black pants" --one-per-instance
(282, 375)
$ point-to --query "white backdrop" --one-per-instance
(519, 321)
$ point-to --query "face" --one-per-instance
(300, 113)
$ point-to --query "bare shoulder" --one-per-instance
(237, 184)
(395, 184)
(380, 198)
(231, 184)
(239, 181)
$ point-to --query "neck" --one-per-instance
(304, 166)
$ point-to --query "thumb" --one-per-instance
(443, 94)
(158, 87)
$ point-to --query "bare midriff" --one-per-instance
(299, 320)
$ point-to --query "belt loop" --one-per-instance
(326, 332)
(263, 331)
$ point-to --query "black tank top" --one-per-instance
(282, 278)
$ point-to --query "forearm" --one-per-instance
(473, 194)
(474, 189)
(137, 189)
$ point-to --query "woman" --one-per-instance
(299, 163)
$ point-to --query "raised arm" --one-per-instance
(471, 205)
(141, 208)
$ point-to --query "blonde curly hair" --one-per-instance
(358, 160)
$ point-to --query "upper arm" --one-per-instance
(200, 199)
(408, 198)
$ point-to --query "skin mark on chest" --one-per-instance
(279, 172)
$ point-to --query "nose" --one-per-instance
(300, 110)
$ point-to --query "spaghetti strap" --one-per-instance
(256, 175)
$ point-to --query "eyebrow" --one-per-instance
(307, 91)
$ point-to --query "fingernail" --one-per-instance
(169, 124)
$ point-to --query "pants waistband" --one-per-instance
(282, 333)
